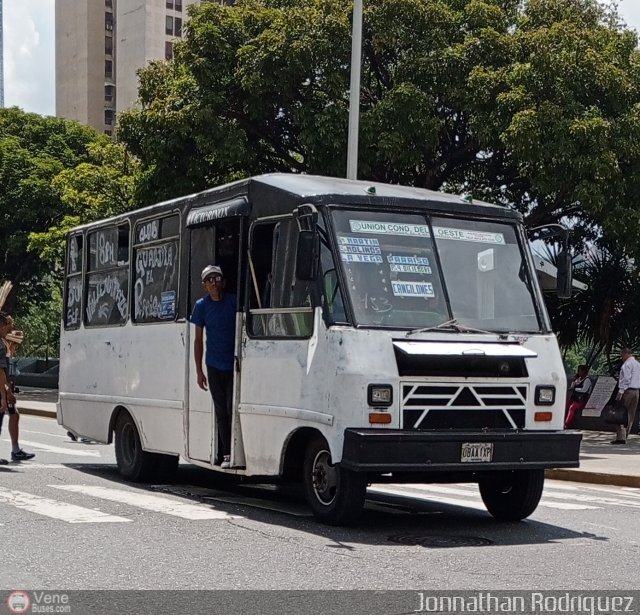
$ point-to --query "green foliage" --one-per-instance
(532, 104)
(101, 186)
(55, 174)
(34, 152)
(41, 326)
(605, 317)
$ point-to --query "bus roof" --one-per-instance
(307, 186)
(312, 188)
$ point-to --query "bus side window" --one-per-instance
(156, 264)
(263, 242)
(331, 291)
(73, 283)
(107, 283)
(276, 293)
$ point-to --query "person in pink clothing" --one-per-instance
(580, 390)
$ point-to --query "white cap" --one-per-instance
(209, 269)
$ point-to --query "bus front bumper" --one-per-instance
(388, 450)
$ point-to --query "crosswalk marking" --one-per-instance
(31, 465)
(462, 495)
(424, 497)
(55, 509)
(48, 448)
(46, 433)
(424, 492)
(154, 503)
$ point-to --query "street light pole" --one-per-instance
(354, 93)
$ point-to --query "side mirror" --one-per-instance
(307, 252)
(564, 281)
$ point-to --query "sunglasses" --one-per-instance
(213, 278)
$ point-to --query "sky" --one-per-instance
(29, 58)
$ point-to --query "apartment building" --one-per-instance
(100, 44)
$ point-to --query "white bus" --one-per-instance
(384, 334)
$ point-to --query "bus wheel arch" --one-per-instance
(512, 496)
(294, 452)
(112, 422)
(336, 495)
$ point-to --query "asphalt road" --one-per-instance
(68, 521)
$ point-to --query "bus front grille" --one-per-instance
(463, 406)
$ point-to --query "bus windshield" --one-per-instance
(407, 271)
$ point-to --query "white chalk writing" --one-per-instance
(109, 287)
(156, 263)
(149, 231)
(152, 258)
(74, 296)
(106, 250)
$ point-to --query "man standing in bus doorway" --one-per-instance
(215, 313)
(628, 387)
(8, 343)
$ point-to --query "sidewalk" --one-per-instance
(600, 461)
(604, 463)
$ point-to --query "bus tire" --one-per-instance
(513, 496)
(336, 496)
(134, 464)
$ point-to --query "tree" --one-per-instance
(101, 186)
(531, 104)
(604, 317)
(34, 150)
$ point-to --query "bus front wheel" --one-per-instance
(336, 496)
(514, 495)
(134, 464)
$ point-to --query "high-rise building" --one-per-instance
(100, 44)
(1, 57)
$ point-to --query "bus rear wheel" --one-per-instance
(514, 495)
(336, 496)
(134, 464)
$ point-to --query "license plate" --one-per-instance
(474, 452)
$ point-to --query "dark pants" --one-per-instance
(221, 387)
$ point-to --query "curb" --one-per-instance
(596, 478)
(37, 412)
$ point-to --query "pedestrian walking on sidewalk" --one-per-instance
(628, 387)
(9, 340)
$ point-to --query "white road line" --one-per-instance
(46, 433)
(55, 509)
(476, 500)
(588, 488)
(426, 498)
(58, 450)
(155, 503)
(592, 499)
(30, 465)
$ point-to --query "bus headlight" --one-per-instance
(545, 395)
(380, 395)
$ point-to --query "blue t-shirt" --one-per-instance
(218, 318)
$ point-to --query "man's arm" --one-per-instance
(198, 347)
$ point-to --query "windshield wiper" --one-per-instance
(450, 325)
